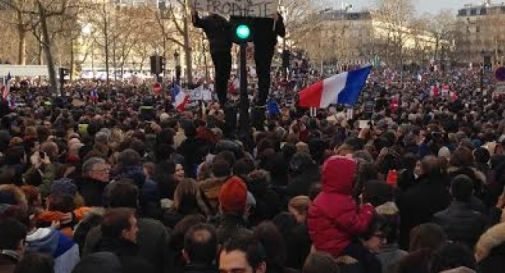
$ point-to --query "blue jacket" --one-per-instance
(52, 242)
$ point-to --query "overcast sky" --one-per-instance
(422, 6)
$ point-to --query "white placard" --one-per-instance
(196, 94)
(206, 95)
(245, 8)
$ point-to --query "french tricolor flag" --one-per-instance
(343, 88)
(6, 88)
(179, 98)
(93, 95)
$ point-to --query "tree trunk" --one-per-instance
(72, 59)
(46, 45)
(40, 57)
(21, 45)
(437, 42)
(106, 43)
(187, 49)
(206, 65)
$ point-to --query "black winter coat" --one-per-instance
(268, 203)
(461, 223)
(126, 251)
(217, 30)
(418, 204)
(296, 238)
(153, 244)
(92, 191)
(193, 151)
(301, 184)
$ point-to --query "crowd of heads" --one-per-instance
(128, 183)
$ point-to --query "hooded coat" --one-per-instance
(334, 218)
(52, 242)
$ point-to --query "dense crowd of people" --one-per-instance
(118, 180)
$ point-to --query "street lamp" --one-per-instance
(177, 67)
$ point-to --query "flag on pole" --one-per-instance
(273, 108)
(179, 97)
(93, 95)
(343, 88)
(234, 86)
(7, 87)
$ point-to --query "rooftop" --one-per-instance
(481, 10)
(331, 14)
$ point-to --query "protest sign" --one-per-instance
(196, 94)
(243, 8)
(200, 93)
(206, 95)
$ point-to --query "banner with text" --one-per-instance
(200, 93)
(245, 8)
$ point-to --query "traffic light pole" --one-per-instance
(244, 98)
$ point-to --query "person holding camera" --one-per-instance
(42, 172)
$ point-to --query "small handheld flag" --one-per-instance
(7, 87)
(179, 98)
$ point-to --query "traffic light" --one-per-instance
(163, 64)
(487, 63)
(158, 64)
(242, 30)
(63, 73)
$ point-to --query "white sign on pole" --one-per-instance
(244, 8)
(200, 93)
(206, 95)
(196, 94)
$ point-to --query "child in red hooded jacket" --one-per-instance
(334, 219)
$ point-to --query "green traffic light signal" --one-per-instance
(243, 32)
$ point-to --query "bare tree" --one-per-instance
(9, 49)
(21, 20)
(395, 16)
(178, 31)
(101, 17)
(441, 26)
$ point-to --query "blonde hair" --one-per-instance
(489, 240)
(117, 135)
(300, 203)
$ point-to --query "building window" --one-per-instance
(477, 29)
(473, 12)
(483, 11)
(462, 12)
